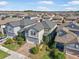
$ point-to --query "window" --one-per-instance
(33, 33)
(9, 29)
(77, 46)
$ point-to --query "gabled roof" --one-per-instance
(65, 37)
(38, 27)
(23, 22)
(26, 22)
(72, 25)
(15, 23)
(48, 24)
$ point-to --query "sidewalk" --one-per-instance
(69, 56)
(13, 54)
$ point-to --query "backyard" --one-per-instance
(3, 54)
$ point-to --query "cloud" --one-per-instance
(3, 3)
(70, 8)
(46, 2)
(74, 2)
(64, 5)
(42, 8)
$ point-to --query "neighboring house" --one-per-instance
(33, 31)
(57, 19)
(49, 29)
(12, 28)
(4, 22)
(67, 41)
(73, 27)
(71, 18)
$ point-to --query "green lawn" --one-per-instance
(3, 54)
(45, 56)
(12, 46)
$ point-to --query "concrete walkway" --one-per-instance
(69, 56)
(13, 54)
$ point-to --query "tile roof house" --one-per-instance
(33, 31)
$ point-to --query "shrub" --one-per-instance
(9, 41)
(46, 39)
(2, 35)
(48, 49)
(20, 40)
(21, 35)
(34, 50)
(41, 46)
(45, 57)
(56, 54)
(53, 45)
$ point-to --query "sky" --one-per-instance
(39, 5)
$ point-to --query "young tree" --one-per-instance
(58, 54)
(20, 40)
(9, 41)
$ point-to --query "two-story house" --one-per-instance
(12, 28)
(5, 21)
(67, 41)
(33, 31)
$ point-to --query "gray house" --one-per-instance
(33, 31)
(12, 28)
(67, 41)
(5, 21)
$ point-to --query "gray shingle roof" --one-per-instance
(38, 27)
(65, 37)
(45, 25)
(24, 22)
(15, 23)
(48, 24)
